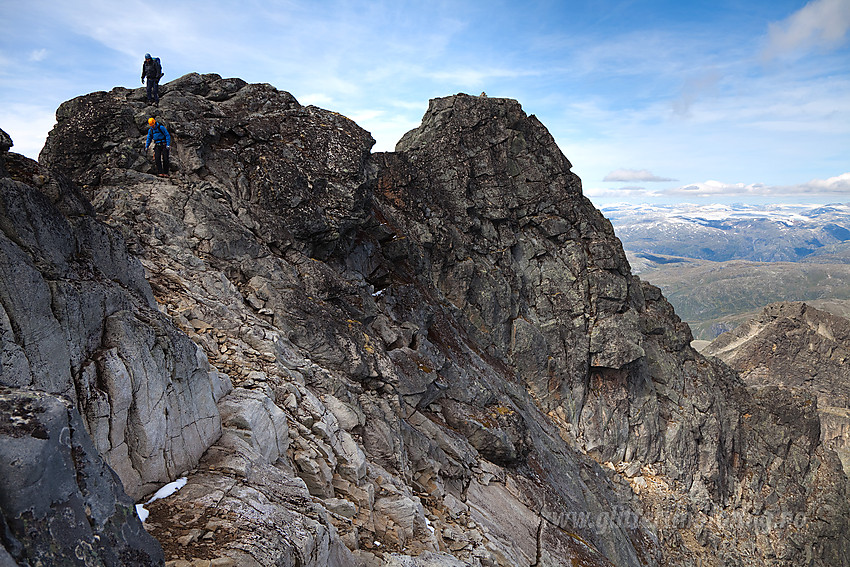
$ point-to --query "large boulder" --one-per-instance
(297, 170)
(60, 502)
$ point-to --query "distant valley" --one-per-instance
(720, 264)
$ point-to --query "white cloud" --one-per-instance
(821, 23)
(321, 100)
(27, 125)
(38, 55)
(631, 175)
(839, 184)
(476, 77)
(120, 27)
(386, 129)
(713, 188)
(419, 106)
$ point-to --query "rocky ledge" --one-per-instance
(436, 356)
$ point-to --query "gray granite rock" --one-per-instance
(79, 320)
(796, 346)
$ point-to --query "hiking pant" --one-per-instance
(160, 157)
(153, 87)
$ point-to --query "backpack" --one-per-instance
(157, 68)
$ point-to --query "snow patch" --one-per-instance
(163, 492)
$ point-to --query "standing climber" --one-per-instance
(161, 145)
(152, 69)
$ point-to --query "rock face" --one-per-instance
(797, 347)
(79, 320)
(61, 504)
(438, 355)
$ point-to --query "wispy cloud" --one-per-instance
(631, 193)
(713, 188)
(475, 77)
(696, 87)
(632, 175)
(38, 55)
(820, 23)
(321, 100)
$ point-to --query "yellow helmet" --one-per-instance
(151, 121)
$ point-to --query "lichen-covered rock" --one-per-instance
(297, 170)
(60, 503)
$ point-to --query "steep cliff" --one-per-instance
(438, 355)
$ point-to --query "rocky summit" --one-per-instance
(431, 357)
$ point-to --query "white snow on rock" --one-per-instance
(163, 492)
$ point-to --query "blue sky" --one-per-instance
(665, 101)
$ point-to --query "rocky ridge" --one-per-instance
(436, 356)
(799, 348)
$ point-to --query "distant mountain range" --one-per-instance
(767, 233)
(720, 264)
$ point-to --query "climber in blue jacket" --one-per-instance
(161, 146)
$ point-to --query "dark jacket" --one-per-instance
(159, 135)
(152, 69)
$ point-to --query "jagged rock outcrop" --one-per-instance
(795, 346)
(439, 354)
